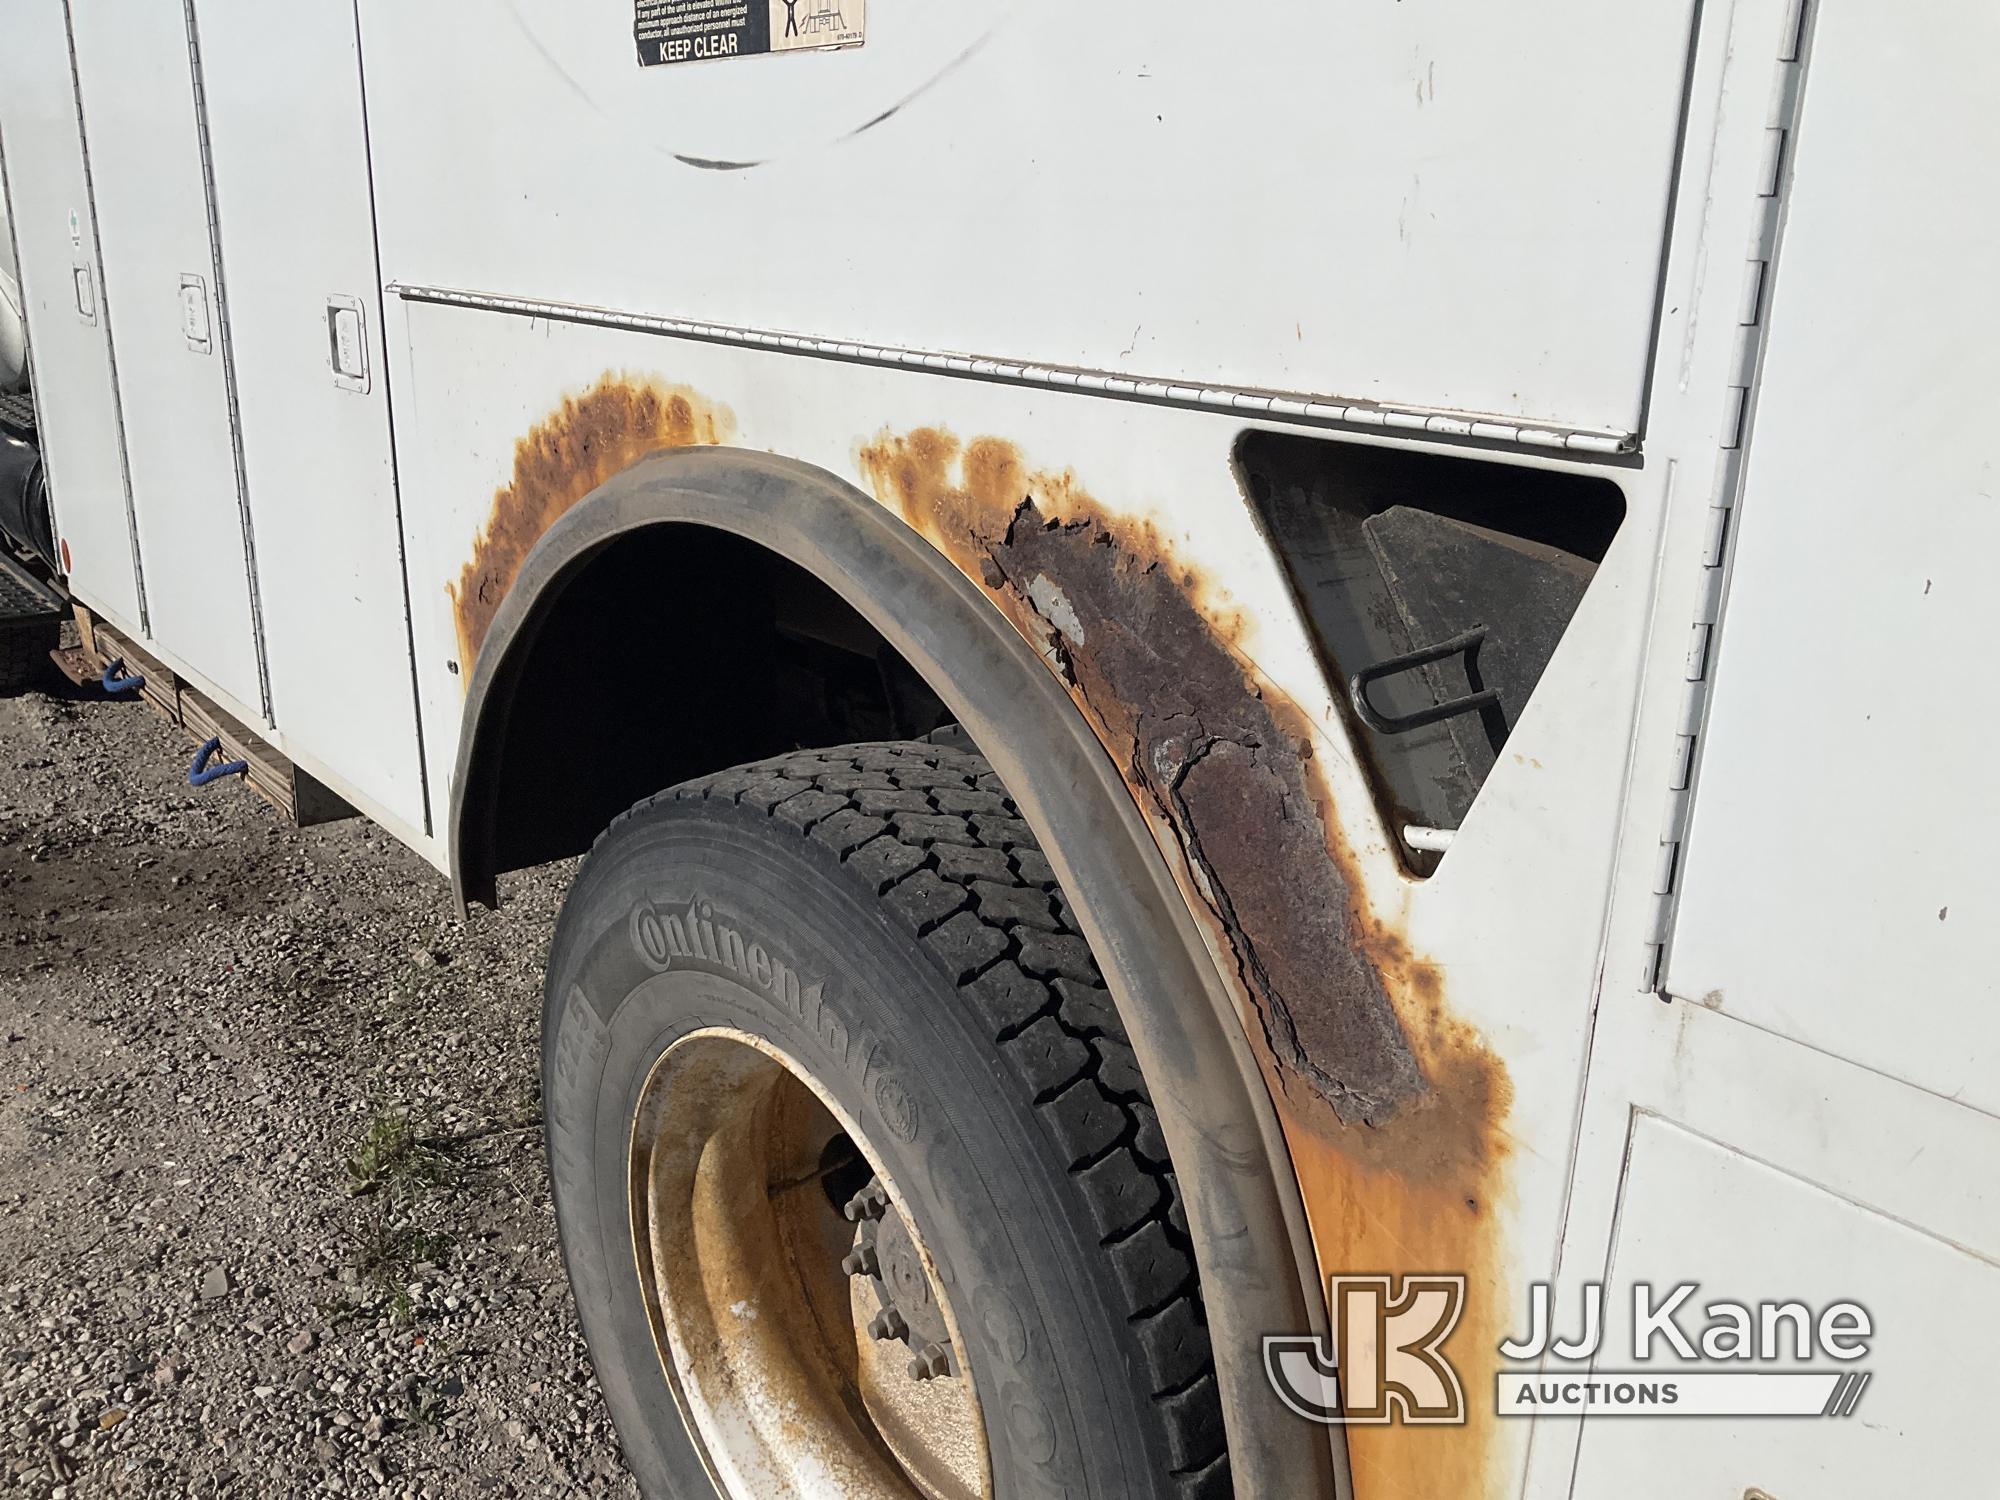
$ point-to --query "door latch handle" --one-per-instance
(194, 314)
(86, 293)
(347, 343)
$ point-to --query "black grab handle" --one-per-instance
(1357, 686)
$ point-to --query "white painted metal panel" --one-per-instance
(1697, 1210)
(1457, 204)
(1848, 1185)
(159, 274)
(1837, 883)
(293, 211)
(1513, 917)
(1883, 1153)
(62, 290)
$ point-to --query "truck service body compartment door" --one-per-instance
(1454, 205)
(61, 283)
(1837, 884)
(139, 122)
(296, 222)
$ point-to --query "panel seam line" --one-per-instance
(228, 352)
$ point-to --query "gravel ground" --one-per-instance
(273, 1211)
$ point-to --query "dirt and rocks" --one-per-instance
(273, 1210)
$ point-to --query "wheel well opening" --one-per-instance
(670, 652)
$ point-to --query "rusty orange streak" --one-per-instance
(585, 441)
(1394, 1110)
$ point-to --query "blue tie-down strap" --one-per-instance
(201, 773)
(115, 679)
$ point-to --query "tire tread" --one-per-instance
(929, 829)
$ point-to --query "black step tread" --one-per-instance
(17, 414)
(24, 598)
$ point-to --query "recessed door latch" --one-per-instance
(347, 343)
(194, 313)
(86, 294)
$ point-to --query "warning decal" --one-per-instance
(676, 31)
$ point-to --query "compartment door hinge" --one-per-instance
(1738, 412)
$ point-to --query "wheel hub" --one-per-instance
(796, 1311)
(907, 1307)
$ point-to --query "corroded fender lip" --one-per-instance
(1244, 1215)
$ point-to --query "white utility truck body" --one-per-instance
(333, 310)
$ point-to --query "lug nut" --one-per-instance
(860, 1261)
(888, 1324)
(931, 1361)
(870, 1203)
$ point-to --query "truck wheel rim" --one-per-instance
(757, 1207)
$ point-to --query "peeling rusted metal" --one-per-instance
(1394, 1110)
(582, 443)
(1214, 753)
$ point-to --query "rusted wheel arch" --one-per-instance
(1248, 1226)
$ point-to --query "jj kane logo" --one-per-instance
(1385, 1360)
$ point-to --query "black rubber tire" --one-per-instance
(1020, 1134)
(24, 654)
